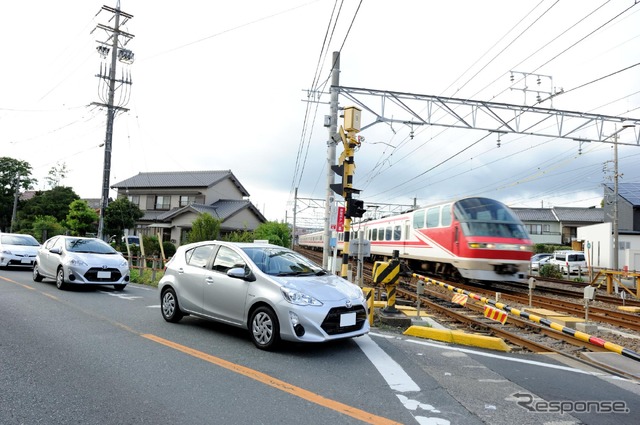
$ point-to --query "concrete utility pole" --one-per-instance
(15, 203)
(115, 47)
(331, 156)
(616, 225)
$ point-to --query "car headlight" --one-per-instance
(124, 263)
(298, 298)
(76, 262)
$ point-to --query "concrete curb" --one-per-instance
(458, 337)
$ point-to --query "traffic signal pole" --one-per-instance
(346, 169)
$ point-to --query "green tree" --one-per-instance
(240, 236)
(54, 202)
(45, 227)
(56, 174)
(276, 233)
(204, 228)
(13, 173)
(81, 218)
(120, 214)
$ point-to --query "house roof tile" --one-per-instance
(182, 179)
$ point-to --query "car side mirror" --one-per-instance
(241, 273)
(56, 250)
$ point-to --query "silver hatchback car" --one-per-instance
(73, 260)
(275, 293)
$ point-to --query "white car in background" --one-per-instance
(17, 249)
(73, 260)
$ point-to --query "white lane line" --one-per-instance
(497, 356)
(399, 381)
(391, 371)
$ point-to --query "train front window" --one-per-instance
(487, 217)
(502, 230)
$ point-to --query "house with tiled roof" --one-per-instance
(171, 201)
(557, 225)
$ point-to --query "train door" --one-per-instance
(406, 236)
(456, 239)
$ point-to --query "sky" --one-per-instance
(244, 86)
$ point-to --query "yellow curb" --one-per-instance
(568, 321)
(414, 313)
(458, 337)
(629, 309)
(379, 304)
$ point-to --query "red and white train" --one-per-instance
(477, 239)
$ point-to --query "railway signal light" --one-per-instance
(355, 208)
(338, 187)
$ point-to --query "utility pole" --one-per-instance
(616, 225)
(15, 202)
(295, 208)
(331, 155)
(114, 46)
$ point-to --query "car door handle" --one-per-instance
(180, 270)
(209, 280)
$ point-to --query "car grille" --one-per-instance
(92, 275)
(331, 323)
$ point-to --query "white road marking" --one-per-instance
(398, 380)
(391, 371)
(121, 295)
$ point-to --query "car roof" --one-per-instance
(236, 244)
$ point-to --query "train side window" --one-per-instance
(446, 215)
(433, 217)
(397, 233)
(374, 235)
(387, 233)
(418, 219)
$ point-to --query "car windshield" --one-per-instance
(26, 240)
(92, 246)
(282, 262)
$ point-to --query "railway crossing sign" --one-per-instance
(495, 314)
(460, 299)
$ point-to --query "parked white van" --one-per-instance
(569, 260)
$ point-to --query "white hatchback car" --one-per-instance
(272, 291)
(17, 249)
(73, 260)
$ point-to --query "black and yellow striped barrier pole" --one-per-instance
(368, 296)
(582, 336)
(388, 274)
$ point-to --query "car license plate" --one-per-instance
(104, 275)
(25, 261)
(347, 319)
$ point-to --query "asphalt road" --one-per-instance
(97, 356)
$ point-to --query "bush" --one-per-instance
(145, 277)
(169, 249)
(549, 270)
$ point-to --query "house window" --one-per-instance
(134, 199)
(186, 200)
(163, 202)
(534, 229)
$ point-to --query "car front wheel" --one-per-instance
(265, 330)
(119, 287)
(170, 308)
(60, 283)
(37, 277)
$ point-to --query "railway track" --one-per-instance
(518, 332)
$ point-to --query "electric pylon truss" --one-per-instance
(419, 109)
